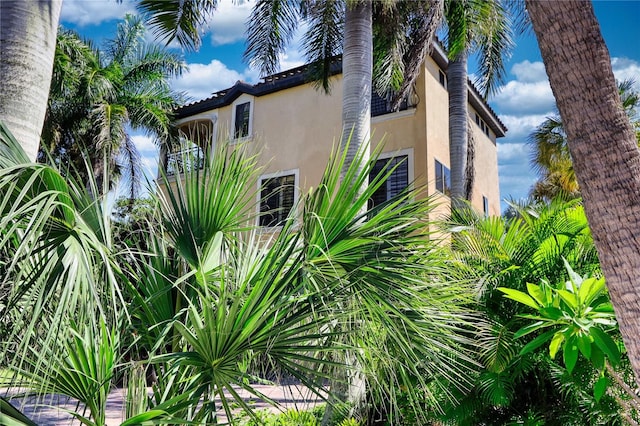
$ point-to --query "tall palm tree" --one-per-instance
(96, 95)
(28, 43)
(603, 148)
(550, 155)
(472, 26)
(347, 27)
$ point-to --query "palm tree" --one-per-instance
(205, 295)
(472, 26)
(603, 148)
(347, 26)
(551, 158)
(28, 44)
(96, 95)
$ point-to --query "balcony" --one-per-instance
(184, 161)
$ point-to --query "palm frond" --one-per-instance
(217, 198)
(126, 43)
(272, 25)
(323, 39)
(420, 28)
(178, 20)
(494, 43)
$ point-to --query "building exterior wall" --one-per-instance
(295, 129)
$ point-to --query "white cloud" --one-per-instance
(145, 144)
(529, 72)
(512, 151)
(228, 22)
(520, 126)
(201, 80)
(625, 68)
(525, 97)
(291, 59)
(94, 12)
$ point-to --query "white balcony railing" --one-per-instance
(184, 161)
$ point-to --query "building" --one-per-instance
(295, 126)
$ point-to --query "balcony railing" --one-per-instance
(184, 161)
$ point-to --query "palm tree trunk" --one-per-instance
(458, 117)
(357, 66)
(27, 43)
(603, 147)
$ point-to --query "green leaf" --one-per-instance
(551, 313)
(570, 354)
(530, 328)
(597, 358)
(569, 298)
(520, 297)
(596, 289)
(537, 342)
(600, 387)
(144, 417)
(537, 293)
(584, 344)
(606, 344)
(555, 344)
(10, 416)
(575, 278)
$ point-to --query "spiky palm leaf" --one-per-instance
(179, 20)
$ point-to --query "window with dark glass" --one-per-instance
(443, 178)
(276, 199)
(380, 106)
(397, 181)
(241, 128)
(485, 206)
(443, 78)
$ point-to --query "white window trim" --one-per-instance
(401, 153)
(242, 99)
(296, 194)
(435, 178)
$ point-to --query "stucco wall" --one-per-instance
(296, 128)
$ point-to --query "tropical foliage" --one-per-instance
(208, 301)
(523, 258)
(550, 156)
(98, 96)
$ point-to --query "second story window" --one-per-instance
(397, 181)
(443, 78)
(241, 123)
(443, 178)
(485, 206)
(277, 196)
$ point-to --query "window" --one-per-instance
(443, 178)
(277, 195)
(380, 106)
(485, 206)
(241, 120)
(443, 78)
(483, 126)
(395, 183)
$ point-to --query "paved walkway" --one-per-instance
(52, 411)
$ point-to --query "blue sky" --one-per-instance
(523, 102)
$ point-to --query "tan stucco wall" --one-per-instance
(296, 128)
(486, 166)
